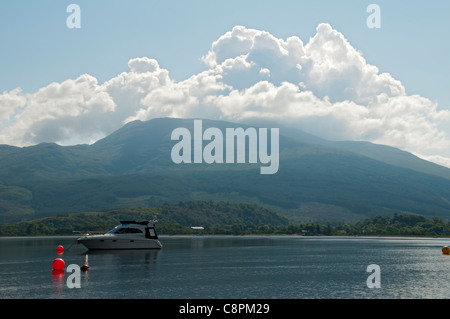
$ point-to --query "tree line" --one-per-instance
(223, 218)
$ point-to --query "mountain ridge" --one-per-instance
(132, 167)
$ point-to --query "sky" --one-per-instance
(313, 65)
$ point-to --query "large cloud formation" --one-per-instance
(324, 87)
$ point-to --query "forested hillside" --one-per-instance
(132, 168)
(222, 218)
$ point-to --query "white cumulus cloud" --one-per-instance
(58, 112)
(325, 87)
(9, 102)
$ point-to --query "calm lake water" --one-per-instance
(246, 267)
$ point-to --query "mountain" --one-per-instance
(383, 153)
(317, 180)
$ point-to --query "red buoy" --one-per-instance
(60, 249)
(84, 268)
(446, 250)
(58, 264)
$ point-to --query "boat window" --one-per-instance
(126, 230)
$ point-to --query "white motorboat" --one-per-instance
(127, 235)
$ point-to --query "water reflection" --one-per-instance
(229, 267)
(143, 256)
(58, 282)
(122, 261)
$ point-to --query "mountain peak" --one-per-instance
(132, 167)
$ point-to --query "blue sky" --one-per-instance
(412, 44)
(47, 97)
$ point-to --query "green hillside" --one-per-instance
(386, 154)
(132, 168)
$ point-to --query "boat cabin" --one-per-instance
(135, 227)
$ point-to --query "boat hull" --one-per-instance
(115, 242)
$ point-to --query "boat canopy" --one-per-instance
(135, 222)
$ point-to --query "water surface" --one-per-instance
(261, 267)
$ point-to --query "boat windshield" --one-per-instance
(123, 229)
